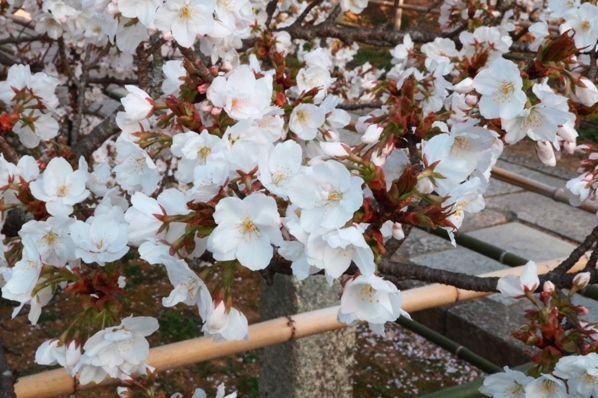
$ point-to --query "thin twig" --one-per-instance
(80, 100)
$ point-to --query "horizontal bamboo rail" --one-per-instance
(275, 331)
(556, 194)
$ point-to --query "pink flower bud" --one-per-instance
(226, 66)
(581, 280)
(397, 231)
(202, 88)
(471, 100)
(216, 111)
(546, 153)
(582, 311)
(548, 287)
(569, 147)
(378, 160)
(167, 36)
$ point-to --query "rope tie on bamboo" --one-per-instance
(291, 324)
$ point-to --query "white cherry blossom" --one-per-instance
(500, 86)
(186, 19)
(518, 286)
(246, 230)
(372, 299)
(60, 187)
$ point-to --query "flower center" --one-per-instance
(100, 244)
(301, 117)
(461, 146)
(585, 26)
(334, 197)
(51, 238)
(505, 91)
(62, 190)
(248, 229)
(549, 386)
(366, 293)
(185, 12)
(516, 389)
(204, 152)
(228, 5)
(534, 120)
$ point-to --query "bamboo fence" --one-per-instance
(275, 331)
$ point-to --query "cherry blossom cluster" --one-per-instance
(565, 362)
(232, 152)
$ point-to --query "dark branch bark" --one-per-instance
(100, 133)
(576, 254)
(202, 70)
(354, 107)
(427, 274)
(374, 36)
(270, 10)
(8, 151)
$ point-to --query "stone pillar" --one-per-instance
(319, 366)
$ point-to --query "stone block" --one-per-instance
(459, 260)
(484, 326)
(318, 366)
(524, 241)
(485, 218)
(420, 242)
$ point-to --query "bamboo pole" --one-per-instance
(279, 330)
(453, 347)
(556, 194)
(471, 389)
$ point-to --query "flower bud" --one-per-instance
(397, 231)
(372, 134)
(465, 86)
(581, 280)
(202, 88)
(546, 153)
(335, 149)
(548, 287)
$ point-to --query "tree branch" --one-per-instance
(100, 133)
(433, 275)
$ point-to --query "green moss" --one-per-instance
(178, 325)
(377, 56)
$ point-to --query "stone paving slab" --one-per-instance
(485, 219)
(459, 260)
(541, 211)
(421, 242)
(524, 241)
